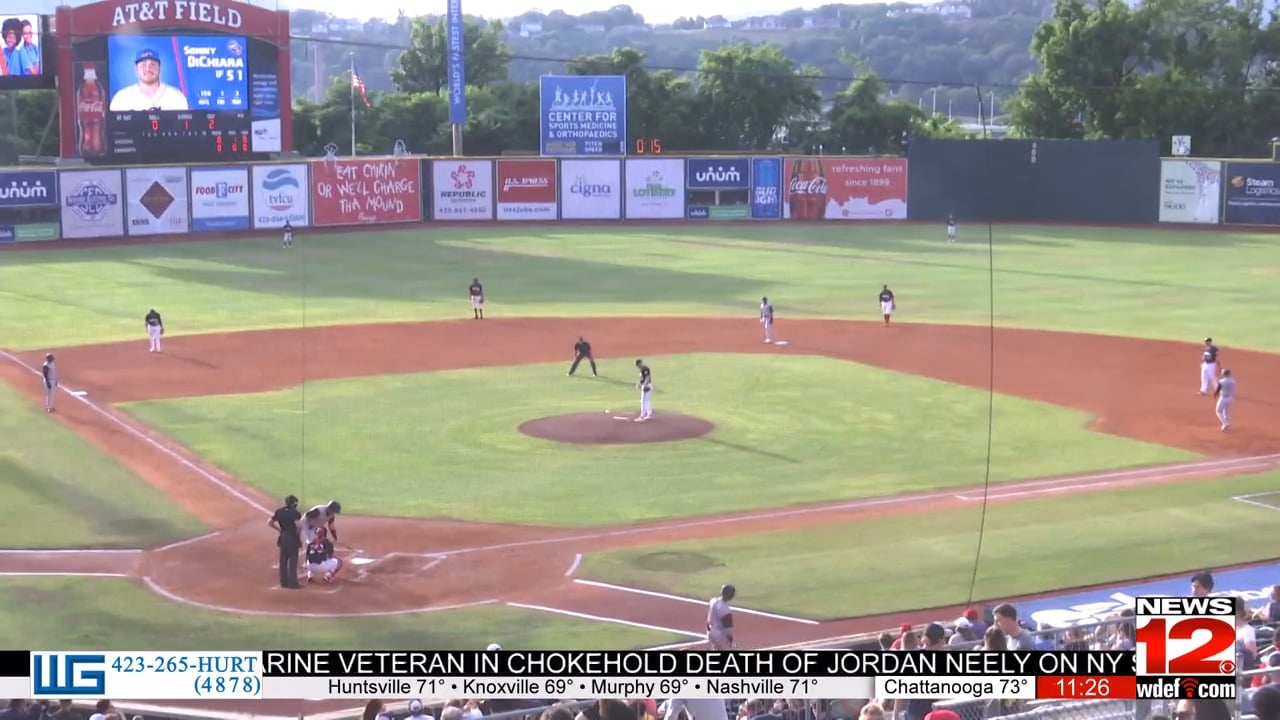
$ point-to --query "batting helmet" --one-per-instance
(335, 507)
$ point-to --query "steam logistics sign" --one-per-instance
(356, 192)
(845, 188)
(655, 189)
(462, 189)
(1252, 193)
(583, 115)
(37, 192)
(280, 196)
(526, 189)
(219, 198)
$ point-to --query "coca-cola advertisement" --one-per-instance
(91, 110)
(825, 188)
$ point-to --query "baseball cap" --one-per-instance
(973, 614)
(147, 54)
(904, 627)
(942, 714)
(963, 622)
(493, 647)
(415, 706)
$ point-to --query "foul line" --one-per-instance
(188, 541)
(159, 590)
(573, 568)
(67, 551)
(64, 574)
(152, 441)
(1068, 481)
(1246, 499)
(600, 618)
(692, 601)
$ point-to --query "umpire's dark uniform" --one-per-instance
(285, 521)
(582, 350)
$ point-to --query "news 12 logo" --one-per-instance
(68, 674)
(1186, 647)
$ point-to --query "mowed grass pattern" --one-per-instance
(888, 564)
(789, 430)
(50, 613)
(61, 491)
(1150, 283)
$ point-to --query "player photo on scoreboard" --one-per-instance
(20, 40)
(177, 73)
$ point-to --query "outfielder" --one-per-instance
(50, 374)
(766, 318)
(1208, 366)
(476, 291)
(646, 388)
(720, 619)
(320, 557)
(155, 329)
(951, 228)
(1226, 394)
(287, 242)
(887, 304)
(321, 517)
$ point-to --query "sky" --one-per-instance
(654, 11)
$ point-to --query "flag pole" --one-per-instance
(353, 104)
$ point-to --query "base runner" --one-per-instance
(720, 619)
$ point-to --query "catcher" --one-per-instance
(320, 557)
(887, 304)
(155, 329)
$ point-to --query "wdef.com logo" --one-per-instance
(68, 674)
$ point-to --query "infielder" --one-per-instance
(50, 374)
(287, 242)
(951, 228)
(582, 351)
(720, 619)
(1226, 394)
(766, 318)
(320, 557)
(887, 304)
(321, 517)
(646, 388)
(476, 291)
(1208, 366)
(155, 329)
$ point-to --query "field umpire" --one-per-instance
(285, 521)
(582, 351)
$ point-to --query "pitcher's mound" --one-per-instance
(616, 428)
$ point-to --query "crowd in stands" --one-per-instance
(61, 710)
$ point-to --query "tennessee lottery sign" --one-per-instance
(583, 115)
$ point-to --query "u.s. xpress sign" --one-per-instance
(583, 115)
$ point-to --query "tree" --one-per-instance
(749, 93)
(424, 67)
(659, 105)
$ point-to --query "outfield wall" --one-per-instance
(1002, 181)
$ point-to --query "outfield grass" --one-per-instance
(789, 430)
(50, 613)
(879, 566)
(61, 491)
(1150, 283)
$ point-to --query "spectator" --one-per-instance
(106, 711)
(903, 630)
(700, 709)
(557, 713)
(1270, 612)
(995, 639)
(1076, 640)
(417, 711)
(964, 632)
(1045, 639)
(1202, 710)
(37, 710)
(975, 618)
(1201, 584)
(1017, 636)
(871, 711)
(1266, 703)
(759, 710)
(943, 714)
(372, 710)
(1246, 637)
(910, 641)
(1124, 639)
(935, 637)
(886, 641)
(849, 709)
(451, 712)
(17, 710)
(615, 710)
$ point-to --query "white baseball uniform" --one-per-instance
(766, 319)
(1208, 368)
(133, 99)
(309, 528)
(718, 635)
(1226, 396)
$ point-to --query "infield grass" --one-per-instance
(876, 566)
(789, 430)
(61, 491)
(1150, 283)
(50, 613)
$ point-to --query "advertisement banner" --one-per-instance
(719, 173)
(280, 196)
(829, 188)
(28, 188)
(527, 189)
(1252, 193)
(358, 192)
(766, 188)
(719, 212)
(1190, 191)
(157, 200)
(219, 198)
(92, 204)
(590, 189)
(462, 189)
(583, 114)
(655, 189)
(457, 64)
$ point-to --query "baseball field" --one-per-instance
(1029, 422)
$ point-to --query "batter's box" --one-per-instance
(397, 563)
(1269, 500)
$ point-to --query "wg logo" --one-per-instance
(68, 675)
